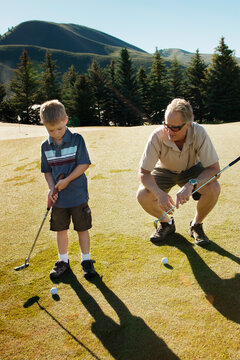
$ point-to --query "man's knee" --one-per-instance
(213, 188)
(143, 194)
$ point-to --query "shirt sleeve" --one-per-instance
(205, 149)
(45, 167)
(152, 152)
(82, 153)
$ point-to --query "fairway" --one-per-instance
(136, 308)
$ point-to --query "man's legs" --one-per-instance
(207, 201)
(209, 197)
(149, 203)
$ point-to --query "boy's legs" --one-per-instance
(82, 220)
(84, 242)
(59, 222)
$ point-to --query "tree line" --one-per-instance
(120, 95)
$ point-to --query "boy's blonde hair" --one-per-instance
(182, 106)
(52, 112)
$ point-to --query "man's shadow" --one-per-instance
(223, 294)
(131, 339)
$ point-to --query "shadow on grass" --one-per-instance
(132, 339)
(35, 299)
(223, 294)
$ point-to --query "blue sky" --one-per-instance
(184, 24)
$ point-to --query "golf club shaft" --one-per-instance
(49, 205)
(45, 216)
(205, 183)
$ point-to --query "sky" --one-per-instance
(184, 24)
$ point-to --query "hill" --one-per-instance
(72, 44)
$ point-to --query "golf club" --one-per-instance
(226, 167)
(49, 205)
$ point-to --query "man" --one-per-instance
(178, 152)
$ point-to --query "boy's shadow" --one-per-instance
(223, 294)
(131, 338)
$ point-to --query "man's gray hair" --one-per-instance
(182, 106)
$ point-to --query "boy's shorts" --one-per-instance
(166, 179)
(61, 218)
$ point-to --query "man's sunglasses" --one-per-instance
(174, 128)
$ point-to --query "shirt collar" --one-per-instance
(66, 138)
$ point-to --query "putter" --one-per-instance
(49, 205)
(226, 167)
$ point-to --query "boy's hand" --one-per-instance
(52, 196)
(62, 184)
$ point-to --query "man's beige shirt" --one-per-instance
(160, 152)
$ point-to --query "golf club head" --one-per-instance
(21, 267)
(31, 301)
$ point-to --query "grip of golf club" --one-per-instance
(234, 161)
(55, 191)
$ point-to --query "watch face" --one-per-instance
(193, 181)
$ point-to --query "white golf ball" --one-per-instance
(53, 291)
(164, 260)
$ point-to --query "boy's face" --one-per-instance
(57, 131)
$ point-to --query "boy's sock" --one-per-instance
(63, 257)
(85, 257)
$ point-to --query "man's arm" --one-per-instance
(185, 192)
(164, 201)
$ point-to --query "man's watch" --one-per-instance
(194, 183)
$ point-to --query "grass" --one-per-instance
(137, 308)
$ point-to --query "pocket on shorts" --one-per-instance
(87, 215)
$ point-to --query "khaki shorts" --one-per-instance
(80, 215)
(166, 179)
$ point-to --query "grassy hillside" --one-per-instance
(66, 37)
(70, 45)
(138, 309)
(75, 45)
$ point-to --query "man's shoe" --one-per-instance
(196, 232)
(163, 231)
(59, 269)
(88, 268)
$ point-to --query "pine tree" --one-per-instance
(223, 85)
(195, 86)
(112, 103)
(24, 85)
(143, 90)
(83, 102)
(50, 87)
(177, 84)
(129, 113)
(98, 83)
(3, 93)
(159, 91)
(68, 81)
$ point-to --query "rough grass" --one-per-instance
(137, 308)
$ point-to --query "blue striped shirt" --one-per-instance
(63, 159)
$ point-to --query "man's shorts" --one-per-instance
(166, 179)
(80, 215)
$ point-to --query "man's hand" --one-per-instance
(165, 202)
(183, 195)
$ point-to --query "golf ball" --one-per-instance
(164, 260)
(53, 291)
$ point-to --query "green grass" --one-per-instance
(137, 308)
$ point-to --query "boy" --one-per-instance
(66, 153)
